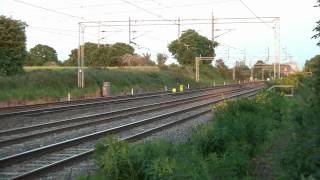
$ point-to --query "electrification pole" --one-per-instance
(179, 28)
(212, 28)
(81, 57)
(99, 27)
(129, 30)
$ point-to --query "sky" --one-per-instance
(55, 23)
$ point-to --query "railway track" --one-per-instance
(22, 134)
(35, 136)
(47, 108)
(34, 162)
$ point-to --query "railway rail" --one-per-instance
(47, 108)
(25, 133)
(36, 162)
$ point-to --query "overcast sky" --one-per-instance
(57, 26)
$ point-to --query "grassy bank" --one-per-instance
(269, 136)
(57, 82)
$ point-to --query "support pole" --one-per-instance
(99, 29)
(179, 30)
(79, 56)
(251, 76)
(234, 71)
(129, 30)
(197, 69)
(212, 28)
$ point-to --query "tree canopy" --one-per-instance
(42, 55)
(317, 28)
(105, 55)
(161, 59)
(12, 46)
(222, 68)
(310, 65)
(190, 45)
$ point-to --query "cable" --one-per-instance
(47, 9)
(146, 10)
(95, 5)
(255, 14)
(57, 33)
(176, 6)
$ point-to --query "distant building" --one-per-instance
(285, 69)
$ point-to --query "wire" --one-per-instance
(47, 9)
(255, 14)
(146, 10)
(50, 28)
(57, 33)
(177, 6)
(95, 5)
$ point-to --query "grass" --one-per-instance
(222, 149)
(56, 82)
(269, 136)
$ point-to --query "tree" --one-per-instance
(310, 65)
(243, 72)
(161, 59)
(148, 60)
(41, 55)
(190, 45)
(12, 46)
(317, 28)
(222, 68)
(105, 55)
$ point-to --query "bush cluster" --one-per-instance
(222, 149)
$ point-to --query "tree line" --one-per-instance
(13, 53)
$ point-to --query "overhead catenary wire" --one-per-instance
(101, 5)
(47, 9)
(178, 6)
(244, 4)
(146, 10)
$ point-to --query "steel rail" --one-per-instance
(61, 122)
(93, 136)
(84, 155)
(149, 108)
(47, 110)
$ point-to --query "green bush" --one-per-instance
(222, 149)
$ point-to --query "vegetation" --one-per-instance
(42, 55)
(222, 68)
(222, 149)
(190, 45)
(102, 56)
(46, 82)
(279, 133)
(317, 28)
(310, 65)
(12, 46)
(161, 59)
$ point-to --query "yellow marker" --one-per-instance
(181, 88)
(174, 90)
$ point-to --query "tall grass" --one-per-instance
(57, 83)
